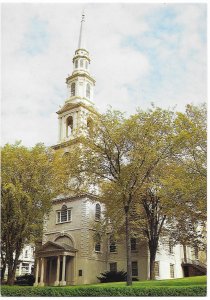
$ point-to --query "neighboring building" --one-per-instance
(26, 261)
(71, 251)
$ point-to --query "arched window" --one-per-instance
(69, 126)
(112, 244)
(86, 65)
(98, 242)
(98, 212)
(76, 64)
(88, 90)
(64, 215)
(73, 88)
(81, 63)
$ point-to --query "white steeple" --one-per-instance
(82, 42)
(80, 84)
(75, 115)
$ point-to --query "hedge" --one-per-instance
(16, 291)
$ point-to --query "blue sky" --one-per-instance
(140, 53)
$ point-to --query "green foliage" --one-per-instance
(113, 276)
(30, 179)
(102, 291)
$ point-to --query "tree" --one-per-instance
(186, 180)
(30, 179)
(121, 154)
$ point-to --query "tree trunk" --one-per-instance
(152, 264)
(128, 246)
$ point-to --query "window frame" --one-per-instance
(111, 265)
(135, 243)
(68, 215)
(98, 243)
(157, 269)
(73, 89)
(97, 213)
(87, 91)
(172, 270)
(135, 271)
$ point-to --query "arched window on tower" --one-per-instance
(64, 215)
(98, 242)
(73, 88)
(69, 126)
(88, 90)
(98, 212)
(112, 244)
(81, 63)
(76, 64)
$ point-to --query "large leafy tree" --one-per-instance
(30, 179)
(121, 154)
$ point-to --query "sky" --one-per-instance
(140, 54)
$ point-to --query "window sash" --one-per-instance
(64, 216)
(98, 247)
(157, 269)
(172, 270)
(133, 244)
(113, 267)
(112, 247)
(98, 212)
(134, 268)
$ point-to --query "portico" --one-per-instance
(55, 265)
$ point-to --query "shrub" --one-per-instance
(113, 276)
(26, 279)
(16, 291)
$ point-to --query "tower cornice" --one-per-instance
(78, 74)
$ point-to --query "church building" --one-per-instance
(70, 254)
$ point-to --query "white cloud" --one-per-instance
(34, 83)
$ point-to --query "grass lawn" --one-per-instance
(187, 281)
(191, 286)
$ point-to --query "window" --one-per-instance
(98, 212)
(73, 88)
(25, 268)
(157, 269)
(86, 65)
(76, 64)
(112, 244)
(133, 244)
(134, 268)
(98, 243)
(88, 90)
(26, 254)
(64, 215)
(81, 63)
(113, 267)
(172, 270)
(69, 126)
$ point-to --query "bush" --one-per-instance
(113, 276)
(16, 291)
(26, 279)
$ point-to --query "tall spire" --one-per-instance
(81, 44)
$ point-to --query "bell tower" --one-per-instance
(75, 115)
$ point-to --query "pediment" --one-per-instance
(50, 246)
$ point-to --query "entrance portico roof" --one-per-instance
(55, 249)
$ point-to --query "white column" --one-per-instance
(63, 280)
(59, 129)
(42, 272)
(37, 272)
(57, 271)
